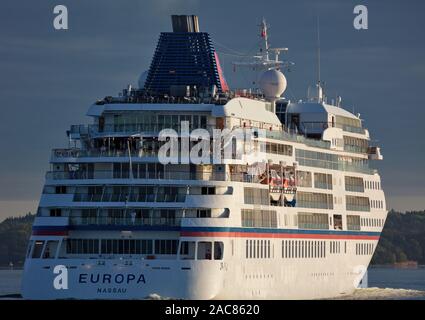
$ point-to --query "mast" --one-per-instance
(319, 84)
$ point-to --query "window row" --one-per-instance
(354, 184)
(313, 221)
(355, 144)
(364, 248)
(121, 246)
(130, 194)
(259, 218)
(203, 250)
(129, 216)
(377, 204)
(335, 247)
(342, 121)
(331, 161)
(314, 200)
(281, 149)
(256, 196)
(323, 181)
(374, 185)
(372, 222)
(257, 249)
(354, 203)
(303, 249)
(151, 122)
(189, 250)
(353, 222)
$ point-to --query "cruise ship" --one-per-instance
(187, 189)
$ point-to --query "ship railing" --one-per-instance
(314, 204)
(144, 128)
(79, 153)
(126, 197)
(286, 136)
(352, 207)
(172, 175)
(80, 129)
(353, 129)
(306, 225)
(126, 221)
(345, 166)
(355, 149)
(354, 188)
(323, 185)
(354, 227)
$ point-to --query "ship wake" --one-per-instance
(384, 294)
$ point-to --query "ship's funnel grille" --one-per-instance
(184, 23)
(184, 58)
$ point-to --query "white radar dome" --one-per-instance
(272, 83)
(142, 79)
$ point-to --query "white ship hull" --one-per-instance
(277, 278)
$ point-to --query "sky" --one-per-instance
(49, 78)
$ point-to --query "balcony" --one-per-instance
(353, 129)
(285, 136)
(120, 221)
(374, 153)
(79, 153)
(125, 197)
(175, 175)
(355, 149)
(133, 128)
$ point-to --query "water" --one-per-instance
(384, 283)
(10, 282)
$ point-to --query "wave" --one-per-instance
(375, 293)
(360, 294)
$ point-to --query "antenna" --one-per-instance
(318, 49)
(262, 60)
(319, 84)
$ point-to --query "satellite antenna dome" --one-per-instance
(272, 83)
(142, 79)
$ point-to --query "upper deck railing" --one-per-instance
(285, 136)
(109, 174)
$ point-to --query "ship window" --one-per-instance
(250, 249)
(187, 250)
(204, 250)
(322, 181)
(203, 213)
(203, 122)
(38, 247)
(55, 212)
(29, 248)
(337, 222)
(60, 189)
(304, 179)
(261, 249)
(218, 250)
(166, 246)
(208, 190)
(268, 249)
(50, 250)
